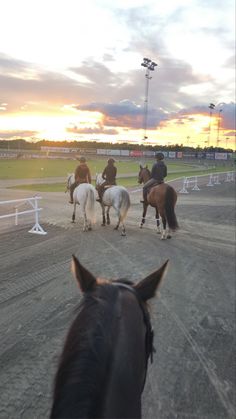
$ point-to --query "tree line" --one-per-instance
(21, 144)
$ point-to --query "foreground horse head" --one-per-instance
(163, 198)
(118, 198)
(103, 366)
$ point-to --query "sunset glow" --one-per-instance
(86, 82)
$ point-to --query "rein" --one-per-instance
(146, 317)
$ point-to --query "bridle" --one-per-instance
(147, 320)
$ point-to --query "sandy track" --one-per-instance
(193, 370)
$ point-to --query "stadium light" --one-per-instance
(211, 107)
(218, 129)
(150, 66)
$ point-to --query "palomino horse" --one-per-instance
(85, 196)
(116, 197)
(163, 198)
(103, 366)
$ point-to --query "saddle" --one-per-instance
(108, 186)
(154, 184)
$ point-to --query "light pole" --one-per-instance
(227, 138)
(218, 129)
(150, 66)
(211, 107)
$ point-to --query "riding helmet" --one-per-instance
(111, 160)
(160, 156)
(82, 159)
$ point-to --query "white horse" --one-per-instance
(116, 197)
(85, 196)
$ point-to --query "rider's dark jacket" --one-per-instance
(109, 174)
(159, 171)
(82, 174)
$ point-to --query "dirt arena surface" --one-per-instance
(193, 373)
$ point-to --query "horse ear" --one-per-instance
(140, 166)
(85, 279)
(146, 166)
(148, 286)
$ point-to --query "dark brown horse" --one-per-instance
(103, 366)
(163, 198)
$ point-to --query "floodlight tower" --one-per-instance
(150, 66)
(218, 129)
(211, 107)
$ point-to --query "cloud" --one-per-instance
(98, 129)
(17, 134)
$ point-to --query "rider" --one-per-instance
(158, 173)
(82, 175)
(109, 175)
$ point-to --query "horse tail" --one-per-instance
(170, 201)
(124, 204)
(90, 205)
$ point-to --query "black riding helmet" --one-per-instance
(82, 159)
(160, 156)
(111, 160)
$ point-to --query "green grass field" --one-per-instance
(45, 168)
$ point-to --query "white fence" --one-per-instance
(214, 179)
(33, 202)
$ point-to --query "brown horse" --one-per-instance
(103, 366)
(163, 198)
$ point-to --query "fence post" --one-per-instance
(196, 188)
(184, 190)
(229, 177)
(210, 181)
(216, 180)
(37, 229)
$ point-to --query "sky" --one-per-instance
(71, 70)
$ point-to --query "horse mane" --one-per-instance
(85, 360)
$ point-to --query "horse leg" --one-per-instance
(118, 223)
(108, 216)
(123, 232)
(85, 227)
(158, 222)
(103, 216)
(144, 214)
(73, 215)
(163, 235)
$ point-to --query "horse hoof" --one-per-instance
(115, 228)
(141, 226)
(89, 228)
(103, 224)
(169, 236)
(123, 234)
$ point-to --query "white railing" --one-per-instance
(37, 229)
(214, 179)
